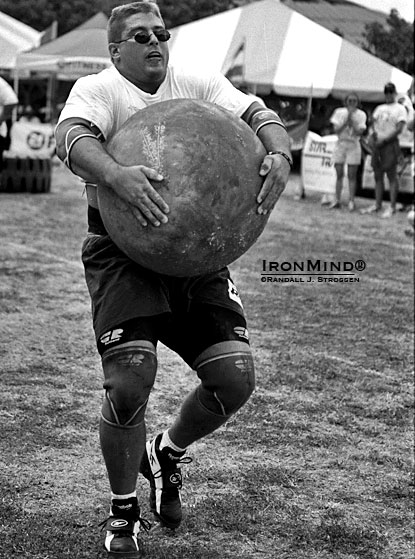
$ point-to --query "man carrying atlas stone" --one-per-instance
(200, 318)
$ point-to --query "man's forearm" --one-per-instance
(90, 161)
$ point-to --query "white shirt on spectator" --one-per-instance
(386, 117)
(349, 133)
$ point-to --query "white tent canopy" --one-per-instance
(15, 37)
(79, 52)
(277, 49)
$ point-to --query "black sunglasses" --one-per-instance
(142, 37)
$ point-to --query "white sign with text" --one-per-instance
(32, 139)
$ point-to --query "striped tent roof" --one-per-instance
(278, 49)
(342, 17)
(15, 37)
(84, 50)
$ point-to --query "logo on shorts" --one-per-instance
(111, 336)
(241, 332)
(233, 293)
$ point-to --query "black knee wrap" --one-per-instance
(130, 371)
(228, 377)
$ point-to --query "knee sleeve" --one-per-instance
(129, 371)
(226, 371)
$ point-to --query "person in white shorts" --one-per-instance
(349, 123)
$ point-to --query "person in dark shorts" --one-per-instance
(201, 318)
(388, 121)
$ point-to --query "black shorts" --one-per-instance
(122, 290)
(385, 158)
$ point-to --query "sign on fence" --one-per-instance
(31, 139)
(317, 169)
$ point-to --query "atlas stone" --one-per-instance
(210, 161)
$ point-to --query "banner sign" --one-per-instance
(75, 68)
(317, 169)
(32, 139)
(65, 67)
(318, 173)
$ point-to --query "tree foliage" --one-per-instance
(71, 13)
(393, 44)
(40, 14)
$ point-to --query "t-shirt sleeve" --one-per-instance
(402, 114)
(89, 100)
(337, 118)
(220, 91)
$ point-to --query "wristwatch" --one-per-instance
(284, 155)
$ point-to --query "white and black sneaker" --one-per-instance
(123, 526)
(160, 467)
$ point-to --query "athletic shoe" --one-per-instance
(389, 212)
(123, 526)
(300, 195)
(370, 210)
(334, 206)
(351, 206)
(160, 467)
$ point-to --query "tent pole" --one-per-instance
(49, 96)
(16, 90)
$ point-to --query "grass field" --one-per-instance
(319, 463)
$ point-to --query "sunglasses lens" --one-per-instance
(141, 38)
(163, 35)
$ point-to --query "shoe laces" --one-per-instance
(172, 463)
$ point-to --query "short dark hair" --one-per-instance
(389, 88)
(116, 22)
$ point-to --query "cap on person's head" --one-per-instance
(389, 88)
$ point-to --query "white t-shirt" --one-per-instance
(406, 137)
(349, 134)
(107, 99)
(386, 117)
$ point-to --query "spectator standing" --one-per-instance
(388, 121)
(349, 123)
(8, 100)
(406, 138)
